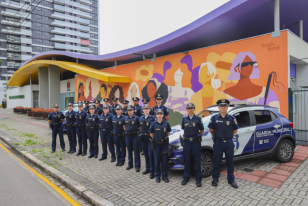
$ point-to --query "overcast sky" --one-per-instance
(129, 23)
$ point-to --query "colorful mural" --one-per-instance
(237, 71)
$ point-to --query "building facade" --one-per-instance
(29, 27)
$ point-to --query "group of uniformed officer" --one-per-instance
(142, 128)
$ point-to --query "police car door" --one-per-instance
(244, 139)
(268, 130)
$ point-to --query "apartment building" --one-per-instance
(29, 27)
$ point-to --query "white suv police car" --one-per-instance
(262, 131)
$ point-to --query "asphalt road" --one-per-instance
(19, 186)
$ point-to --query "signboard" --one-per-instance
(68, 85)
(17, 97)
(85, 42)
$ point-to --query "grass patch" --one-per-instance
(60, 158)
(30, 135)
(29, 142)
(34, 151)
(17, 143)
(7, 128)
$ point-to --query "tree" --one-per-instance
(0, 62)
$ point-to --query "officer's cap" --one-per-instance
(145, 101)
(146, 106)
(125, 101)
(190, 105)
(159, 111)
(159, 96)
(106, 106)
(115, 99)
(130, 107)
(118, 107)
(55, 106)
(86, 102)
(136, 99)
(92, 107)
(223, 102)
(96, 102)
(80, 104)
(106, 100)
(69, 104)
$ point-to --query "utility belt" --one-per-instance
(191, 139)
(119, 135)
(143, 137)
(95, 127)
(56, 123)
(80, 125)
(224, 139)
(132, 133)
(71, 125)
(155, 142)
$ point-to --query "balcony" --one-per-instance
(17, 31)
(73, 11)
(13, 4)
(58, 15)
(17, 48)
(57, 30)
(71, 3)
(16, 14)
(13, 56)
(13, 66)
(72, 47)
(16, 22)
(65, 39)
(68, 24)
(88, 2)
(25, 57)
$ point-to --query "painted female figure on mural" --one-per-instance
(243, 69)
(90, 97)
(133, 91)
(81, 96)
(117, 92)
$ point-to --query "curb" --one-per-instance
(76, 187)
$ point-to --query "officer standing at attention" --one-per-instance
(98, 110)
(55, 120)
(131, 128)
(92, 122)
(145, 101)
(106, 102)
(70, 128)
(119, 136)
(145, 123)
(159, 100)
(124, 110)
(193, 129)
(80, 117)
(224, 127)
(86, 107)
(159, 131)
(106, 137)
(115, 104)
(138, 108)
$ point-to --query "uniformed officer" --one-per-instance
(193, 129)
(145, 101)
(55, 120)
(223, 126)
(115, 104)
(131, 134)
(86, 107)
(106, 137)
(98, 110)
(106, 102)
(119, 136)
(137, 108)
(124, 110)
(80, 117)
(71, 128)
(159, 101)
(159, 131)
(92, 122)
(145, 123)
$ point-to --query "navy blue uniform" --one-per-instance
(124, 111)
(160, 132)
(145, 124)
(86, 109)
(112, 109)
(106, 137)
(223, 129)
(119, 140)
(81, 131)
(131, 135)
(165, 110)
(137, 110)
(192, 127)
(71, 130)
(56, 121)
(98, 111)
(93, 124)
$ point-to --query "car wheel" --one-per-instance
(206, 164)
(285, 151)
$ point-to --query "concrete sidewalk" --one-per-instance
(124, 187)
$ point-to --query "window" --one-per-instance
(92, 35)
(242, 119)
(47, 34)
(38, 32)
(93, 15)
(92, 22)
(47, 41)
(92, 28)
(264, 116)
(38, 16)
(47, 18)
(47, 26)
(38, 8)
(38, 24)
(47, 49)
(39, 40)
(39, 48)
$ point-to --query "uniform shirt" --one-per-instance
(80, 117)
(70, 118)
(56, 118)
(118, 123)
(106, 122)
(163, 108)
(223, 127)
(112, 109)
(137, 110)
(160, 129)
(86, 109)
(92, 120)
(192, 126)
(124, 111)
(98, 111)
(145, 123)
(131, 123)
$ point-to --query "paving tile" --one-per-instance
(259, 173)
(251, 178)
(281, 172)
(277, 177)
(270, 182)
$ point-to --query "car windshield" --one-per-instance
(75, 109)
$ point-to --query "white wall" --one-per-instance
(2, 90)
(63, 86)
(25, 90)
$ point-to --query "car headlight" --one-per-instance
(176, 146)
